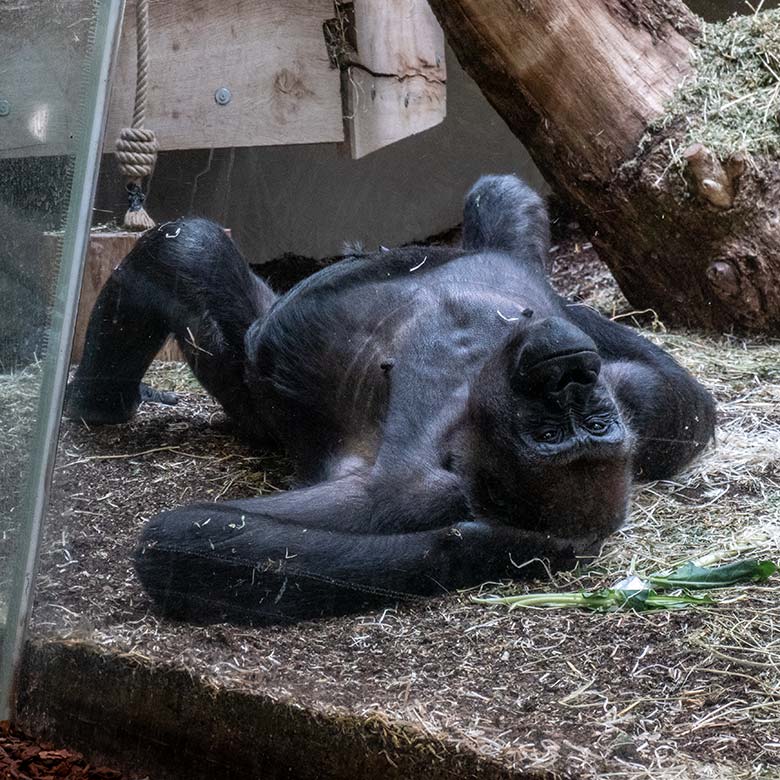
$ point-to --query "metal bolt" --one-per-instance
(5, 107)
(223, 96)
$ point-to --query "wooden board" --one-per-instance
(396, 85)
(270, 55)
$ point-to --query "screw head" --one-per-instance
(5, 107)
(223, 96)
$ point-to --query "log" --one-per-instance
(602, 92)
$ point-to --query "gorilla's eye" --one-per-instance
(597, 427)
(547, 435)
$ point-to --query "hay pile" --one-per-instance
(731, 102)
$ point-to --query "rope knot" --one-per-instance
(136, 151)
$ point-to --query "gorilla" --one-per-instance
(452, 418)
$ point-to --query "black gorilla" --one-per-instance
(451, 416)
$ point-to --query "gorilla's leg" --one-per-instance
(504, 214)
(284, 558)
(185, 278)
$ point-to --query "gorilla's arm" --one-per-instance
(670, 412)
(245, 561)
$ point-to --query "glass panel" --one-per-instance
(55, 59)
(262, 562)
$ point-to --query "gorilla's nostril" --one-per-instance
(556, 373)
(553, 354)
(577, 376)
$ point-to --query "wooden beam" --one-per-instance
(396, 79)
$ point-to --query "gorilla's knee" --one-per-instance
(504, 214)
(187, 245)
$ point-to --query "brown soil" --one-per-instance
(581, 693)
(22, 758)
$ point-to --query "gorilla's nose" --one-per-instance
(557, 359)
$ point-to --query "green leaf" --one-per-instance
(697, 577)
(602, 600)
(636, 594)
(638, 600)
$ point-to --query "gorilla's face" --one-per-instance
(549, 450)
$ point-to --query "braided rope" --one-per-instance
(136, 150)
(136, 147)
(142, 61)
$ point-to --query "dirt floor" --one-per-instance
(621, 695)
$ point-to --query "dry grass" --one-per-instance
(681, 695)
(731, 102)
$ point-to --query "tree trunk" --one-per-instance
(582, 82)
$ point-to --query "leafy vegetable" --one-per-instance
(695, 577)
(640, 595)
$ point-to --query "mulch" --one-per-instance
(22, 758)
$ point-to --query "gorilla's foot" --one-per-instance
(102, 401)
(151, 395)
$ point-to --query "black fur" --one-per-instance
(451, 416)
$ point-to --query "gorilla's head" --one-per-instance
(549, 450)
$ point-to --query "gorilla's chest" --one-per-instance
(384, 338)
